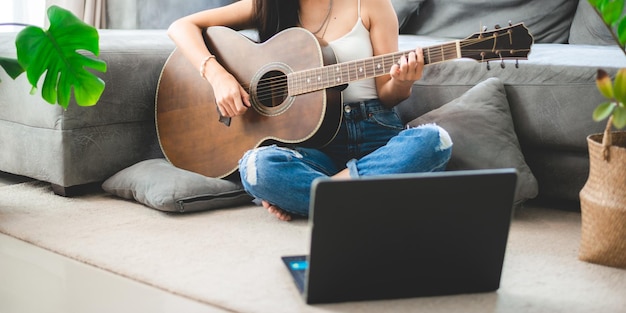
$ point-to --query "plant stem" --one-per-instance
(607, 139)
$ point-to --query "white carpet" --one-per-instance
(230, 258)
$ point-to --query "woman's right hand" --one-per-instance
(231, 98)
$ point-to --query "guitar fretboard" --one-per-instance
(339, 74)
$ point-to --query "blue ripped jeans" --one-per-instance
(371, 141)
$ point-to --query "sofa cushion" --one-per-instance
(548, 21)
(481, 127)
(160, 185)
(588, 27)
(154, 14)
(551, 95)
(135, 59)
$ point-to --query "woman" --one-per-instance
(371, 139)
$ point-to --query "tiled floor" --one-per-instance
(34, 280)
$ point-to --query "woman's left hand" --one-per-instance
(409, 67)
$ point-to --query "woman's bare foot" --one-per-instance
(344, 174)
(282, 215)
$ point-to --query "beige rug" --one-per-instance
(230, 258)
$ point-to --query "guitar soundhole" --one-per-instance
(272, 89)
(270, 93)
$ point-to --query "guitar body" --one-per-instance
(190, 132)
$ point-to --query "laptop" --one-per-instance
(406, 235)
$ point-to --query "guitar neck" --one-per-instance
(343, 73)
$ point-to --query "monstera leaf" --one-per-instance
(12, 67)
(62, 54)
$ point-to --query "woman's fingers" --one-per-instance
(409, 67)
(232, 100)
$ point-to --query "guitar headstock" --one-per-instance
(512, 42)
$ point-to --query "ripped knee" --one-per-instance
(247, 167)
(445, 141)
(263, 157)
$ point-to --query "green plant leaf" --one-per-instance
(619, 86)
(619, 117)
(12, 67)
(604, 84)
(603, 111)
(599, 3)
(621, 31)
(611, 11)
(595, 3)
(60, 53)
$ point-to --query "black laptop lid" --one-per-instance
(408, 235)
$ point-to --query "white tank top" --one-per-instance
(356, 45)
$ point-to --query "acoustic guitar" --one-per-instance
(295, 84)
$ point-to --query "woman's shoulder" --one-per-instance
(384, 5)
(376, 10)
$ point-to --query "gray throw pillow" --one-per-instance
(548, 20)
(481, 127)
(588, 27)
(160, 185)
(405, 9)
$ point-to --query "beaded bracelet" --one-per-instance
(203, 65)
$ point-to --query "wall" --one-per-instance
(21, 11)
(153, 14)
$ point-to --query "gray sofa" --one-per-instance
(551, 95)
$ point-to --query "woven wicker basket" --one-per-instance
(603, 201)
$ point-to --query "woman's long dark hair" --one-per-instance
(273, 16)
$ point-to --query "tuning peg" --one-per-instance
(497, 26)
(516, 63)
(488, 66)
(482, 30)
(510, 23)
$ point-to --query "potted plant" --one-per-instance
(603, 198)
(61, 54)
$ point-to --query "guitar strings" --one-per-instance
(277, 86)
(268, 88)
(446, 53)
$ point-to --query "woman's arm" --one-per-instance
(186, 33)
(383, 26)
